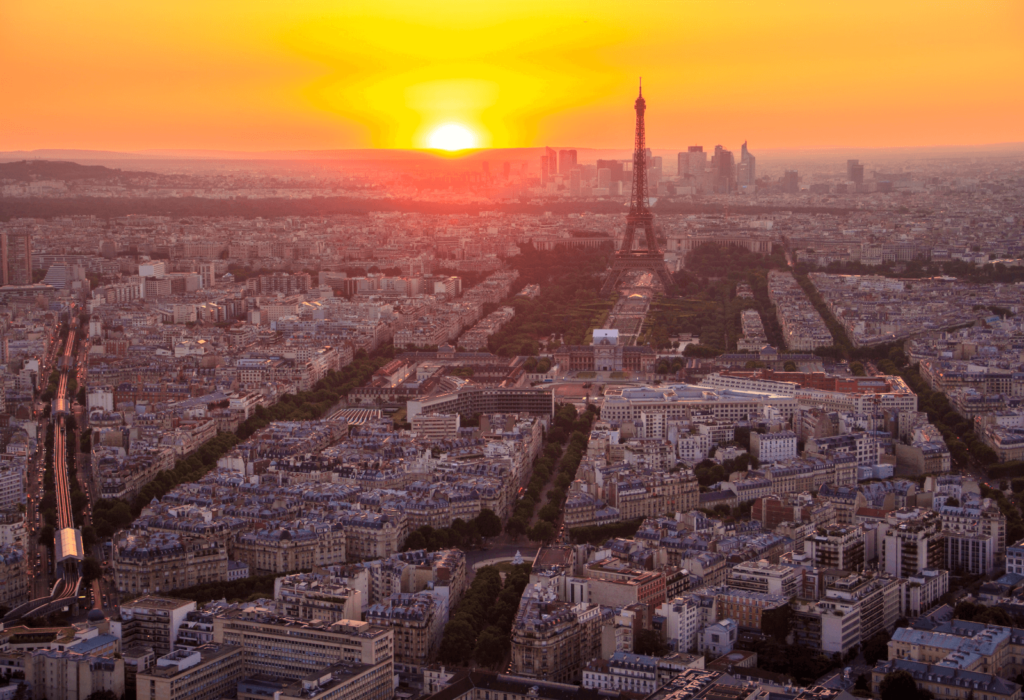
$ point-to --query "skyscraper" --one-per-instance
(552, 157)
(791, 182)
(575, 176)
(723, 168)
(749, 170)
(566, 161)
(855, 172)
(615, 169)
(16, 258)
(543, 170)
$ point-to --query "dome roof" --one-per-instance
(95, 615)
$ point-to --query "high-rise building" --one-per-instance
(575, 178)
(791, 182)
(836, 547)
(16, 257)
(566, 161)
(913, 542)
(552, 157)
(696, 161)
(749, 167)
(154, 622)
(604, 177)
(855, 172)
(615, 169)
(207, 274)
(723, 168)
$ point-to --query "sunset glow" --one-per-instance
(452, 137)
(314, 74)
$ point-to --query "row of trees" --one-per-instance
(969, 272)
(480, 626)
(599, 534)
(566, 419)
(240, 590)
(519, 524)
(109, 515)
(552, 459)
(460, 534)
(958, 432)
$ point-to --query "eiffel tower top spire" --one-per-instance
(638, 202)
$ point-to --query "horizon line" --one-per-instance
(209, 153)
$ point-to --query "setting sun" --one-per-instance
(452, 137)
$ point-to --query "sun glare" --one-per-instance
(452, 137)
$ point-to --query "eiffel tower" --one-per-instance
(630, 256)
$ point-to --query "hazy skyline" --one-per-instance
(317, 75)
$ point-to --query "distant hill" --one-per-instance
(29, 170)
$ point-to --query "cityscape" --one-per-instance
(442, 412)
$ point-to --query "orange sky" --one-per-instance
(296, 74)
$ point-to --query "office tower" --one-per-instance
(566, 161)
(575, 176)
(543, 170)
(698, 160)
(604, 177)
(750, 166)
(615, 169)
(791, 182)
(855, 172)
(723, 168)
(552, 157)
(16, 258)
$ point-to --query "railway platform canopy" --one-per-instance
(68, 545)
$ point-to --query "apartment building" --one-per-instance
(913, 542)
(553, 640)
(317, 597)
(682, 621)
(15, 586)
(72, 675)
(154, 622)
(947, 681)
(836, 547)
(416, 620)
(772, 447)
(146, 562)
(762, 577)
